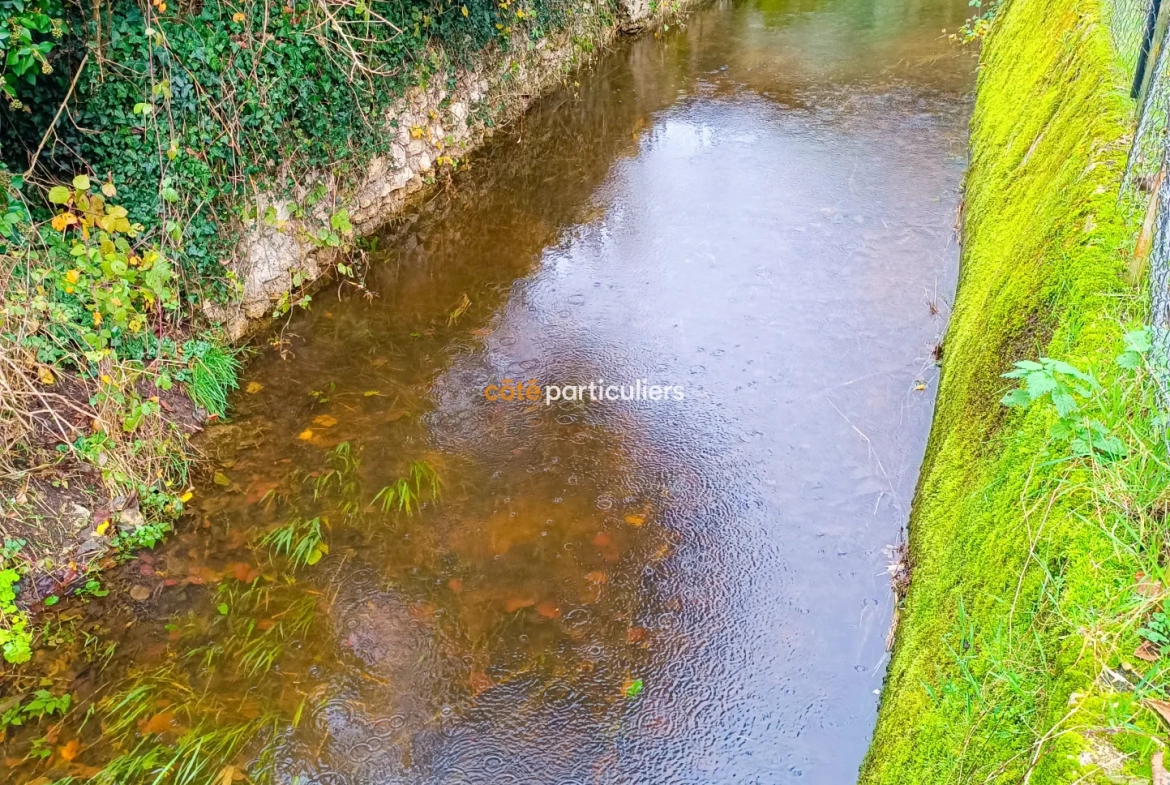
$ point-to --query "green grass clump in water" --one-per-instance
(1024, 561)
(213, 376)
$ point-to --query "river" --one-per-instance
(754, 209)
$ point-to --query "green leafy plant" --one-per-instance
(1156, 630)
(92, 588)
(979, 25)
(16, 710)
(146, 536)
(29, 31)
(15, 635)
(1072, 394)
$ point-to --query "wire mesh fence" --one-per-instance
(1128, 20)
(1141, 35)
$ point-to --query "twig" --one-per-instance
(33, 161)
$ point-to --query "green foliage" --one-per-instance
(1157, 628)
(979, 25)
(204, 104)
(16, 710)
(1068, 389)
(146, 536)
(92, 588)
(29, 32)
(91, 293)
(15, 636)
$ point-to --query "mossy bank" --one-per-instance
(1027, 648)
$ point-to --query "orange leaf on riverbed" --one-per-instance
(160, 723)
(68, 751)
(243, 572)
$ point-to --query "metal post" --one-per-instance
(1139, 74)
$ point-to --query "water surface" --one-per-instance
(757, 208)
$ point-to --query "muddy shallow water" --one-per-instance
(757, 209)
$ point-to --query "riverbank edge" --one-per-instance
(448, 115)
(994, 675)
(279, 265)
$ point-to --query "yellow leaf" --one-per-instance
(46, 376)
(371, 393)
(305, 435)
(635, 520)
(109, 190)
(63, 220)
(253, 388)
(186, 497)
(69, 750)
(101, 529)
(237, 17)
(73, 276)
(465, 10)
(325, 420)
(221, 479)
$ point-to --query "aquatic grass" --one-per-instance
(406, 493)
(159, 727)
(300, 541)
(341, 476)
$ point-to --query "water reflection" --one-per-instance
(757, 208)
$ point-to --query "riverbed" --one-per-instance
(405, 569)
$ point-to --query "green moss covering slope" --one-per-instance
(1011, 580)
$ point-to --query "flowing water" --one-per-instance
(757, 209)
